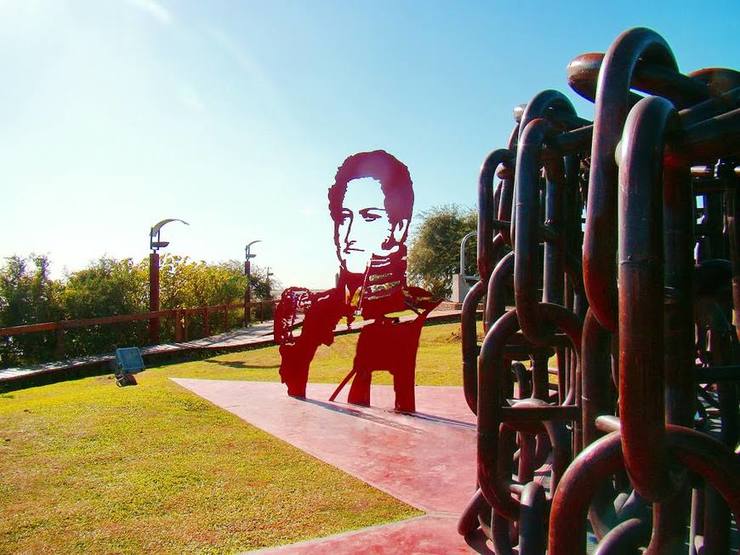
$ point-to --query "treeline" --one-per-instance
(107, 287)
(434, 254)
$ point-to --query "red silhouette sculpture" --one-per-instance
(370, 202)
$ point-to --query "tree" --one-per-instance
(186, 283)
(434, 255)
(262, 286)
(27, 296)
(108, 287)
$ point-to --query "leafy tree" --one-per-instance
(434, 254)
(262, 284)
(110, 287)
(106, 287)
(186, 283)
(27, 296)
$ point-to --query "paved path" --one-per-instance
(426, 459)
(243, 337)
(258, 335)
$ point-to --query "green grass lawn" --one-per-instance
(89, 467)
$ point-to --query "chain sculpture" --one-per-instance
(370, 203)
(617, 243)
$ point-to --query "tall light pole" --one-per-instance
(155, 243)
(267, 279)
(248, 272)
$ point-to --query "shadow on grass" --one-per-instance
(240, 364)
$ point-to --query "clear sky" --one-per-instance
(234, 115)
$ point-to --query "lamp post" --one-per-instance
(248, 272)
(267, 279)
(156, 243)
(268, 286)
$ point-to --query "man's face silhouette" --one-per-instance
(364, 228)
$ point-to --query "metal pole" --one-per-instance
(155, 245)
(248, 272)
(154, 297)
(247, 294)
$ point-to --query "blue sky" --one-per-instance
(115, 114)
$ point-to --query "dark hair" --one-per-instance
(394, 177)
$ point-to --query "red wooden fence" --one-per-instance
(180, 315)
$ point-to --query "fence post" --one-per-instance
(59, 350)
(206, 323)
(178, 327)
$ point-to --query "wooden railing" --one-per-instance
(180, 316)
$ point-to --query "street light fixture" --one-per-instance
(155, 245)
(156, 231)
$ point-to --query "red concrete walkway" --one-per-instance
(426, 459)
